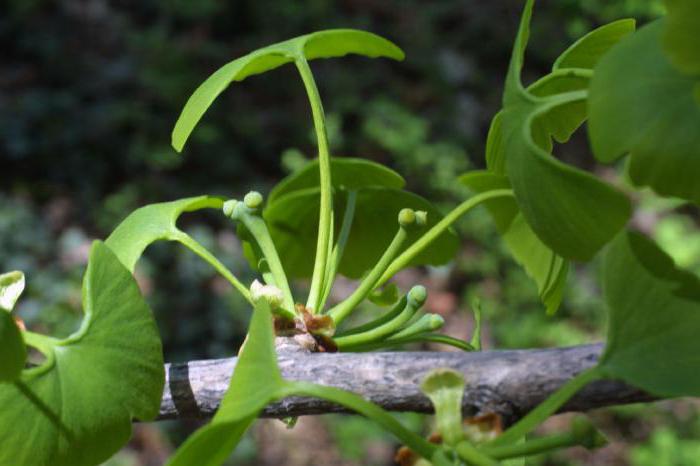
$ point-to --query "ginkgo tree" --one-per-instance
(639, 91)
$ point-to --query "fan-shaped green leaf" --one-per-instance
(681, 35)
(546, 268)
(157, 222)
(322, 44)
(293, 220)
(642, 105)
(571, 211)
(153, 223)
(346, 173)
(77, 407)
(654, 319)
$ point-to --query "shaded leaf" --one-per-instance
(681, 35)
(346, 173)
(12, 349)
(322, 44)
(654, 319)
(77, 407)
(570, 210)
(642, 105)
(546, 268)
(293, 223)
(586, 51)
(386, 296)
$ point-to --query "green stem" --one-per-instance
(187, 241)
(431, 235)
(532, 447)
(325, 233)
(426, 337)
(545, 409)
(473, 456)
(368, 409)
(414, 300)
(426, 323)
(258, 229)
(381, 320)
(339, 249)
(343, 309)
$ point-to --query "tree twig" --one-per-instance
(509, 383)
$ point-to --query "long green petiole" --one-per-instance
(414, 301)
(248, 212)
(431, 235)
(381, 320)
(582, 434)
(548, 407)
(339, 249)
(187, 241)
(407, 218)
(325, 232)
(368, 409)
(474, 456)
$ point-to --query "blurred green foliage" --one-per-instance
(91, 89)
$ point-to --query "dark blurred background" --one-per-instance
(90, 90)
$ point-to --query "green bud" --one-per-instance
(418, 294)
(586, 434)
(229, 207)
(269, 293)
(407, 217)
(253, 200)
(421, 218)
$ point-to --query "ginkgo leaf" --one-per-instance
(322, 44)
(156, 222)
(293, 220)
(12, 348)
(571, 211)
(642, 105)
(347, 173)
(11, 287)
(77, 407)
(681, 35)
(546, 268)
(654, 319)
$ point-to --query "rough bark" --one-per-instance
(509, 383)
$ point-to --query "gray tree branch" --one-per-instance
(509, 383)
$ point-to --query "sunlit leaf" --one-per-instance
(256, 382)
(156, 222)
(546, 268)
(654, 319)
(642, 105)
(293, 223)
(322, 44)
(153, 223)
(77, 407)
(11, 287)
(346, 173)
